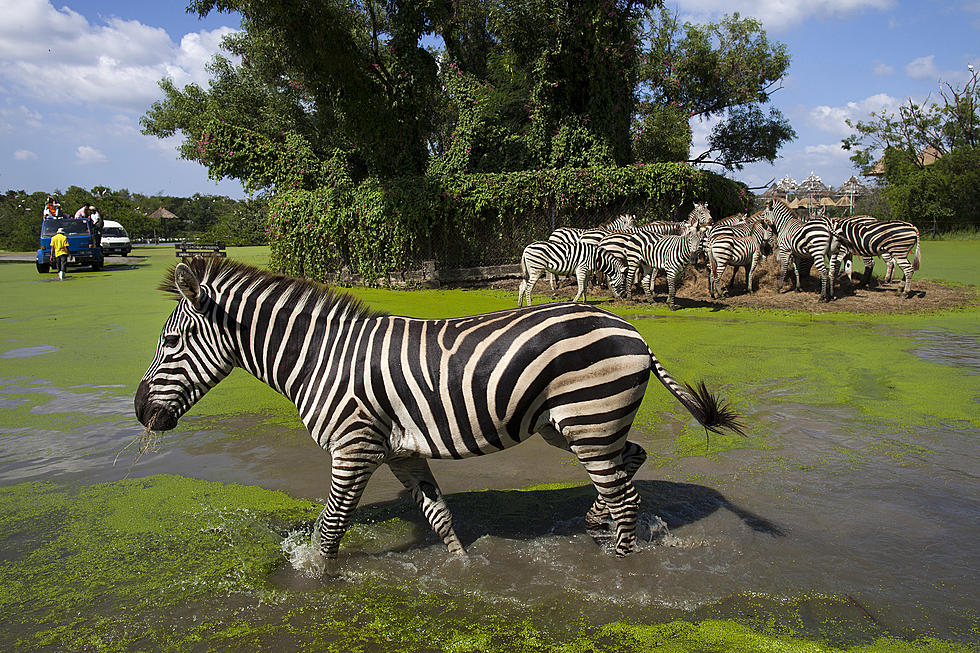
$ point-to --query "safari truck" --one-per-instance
(81, 247)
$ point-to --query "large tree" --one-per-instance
(330, 92)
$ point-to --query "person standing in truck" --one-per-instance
(59, 252)
(95, 224)
(84, 212)
(52, 208)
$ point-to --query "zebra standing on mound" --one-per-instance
(738, 251)
(799, 241)
(892, 240)
(379, 389)
(648, 254)
(580, 259)
(573, 235)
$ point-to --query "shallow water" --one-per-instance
(961, 350)
(828, 524)
(884, 520)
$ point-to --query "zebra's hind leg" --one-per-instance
(581, 278)
(527, 286)
(616, 492)
(633, 457)
(630, 460)
(907, 270)
(415, 475)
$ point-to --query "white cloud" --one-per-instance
(25, 155)
(57, 55)
(922, 68)
(780, 14)
(882, 69)
(832, 119)
(14, 118)
(824, 155)
(88, 155)
(925, 68)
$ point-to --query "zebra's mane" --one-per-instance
(224, 271)
(785, 205)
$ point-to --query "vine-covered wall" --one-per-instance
(376, 228)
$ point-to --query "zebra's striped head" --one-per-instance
(700, 216)
(192, 356)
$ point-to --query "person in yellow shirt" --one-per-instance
(59, 252)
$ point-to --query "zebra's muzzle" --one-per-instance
(152, 415)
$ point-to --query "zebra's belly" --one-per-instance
(595, 404)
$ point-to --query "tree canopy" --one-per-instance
(314, 93)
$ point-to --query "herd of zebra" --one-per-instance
(621, 253)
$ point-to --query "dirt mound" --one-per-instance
(878, 297)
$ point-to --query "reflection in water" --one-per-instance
(960, 350)
(27, 352)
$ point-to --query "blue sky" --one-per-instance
(76, 76)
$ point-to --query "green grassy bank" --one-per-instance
(173, 563)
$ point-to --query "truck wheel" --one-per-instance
(42, 268)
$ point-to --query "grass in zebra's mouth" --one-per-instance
(147, 441)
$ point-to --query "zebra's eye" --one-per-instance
(171, 341)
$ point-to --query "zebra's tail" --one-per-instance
(917, 261)
(713, 414)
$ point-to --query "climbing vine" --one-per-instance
(375, 228)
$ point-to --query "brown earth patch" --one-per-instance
(877, 297)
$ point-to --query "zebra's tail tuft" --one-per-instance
(707, 409)
(917, 261)
(713, 414)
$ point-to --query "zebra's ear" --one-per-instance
(188, 285)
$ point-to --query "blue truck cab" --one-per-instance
(81, 246)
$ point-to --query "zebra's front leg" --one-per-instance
(581, 277)
(350, 471)
(783, 268)
(714, 277)
(889, 267)
(415, 475)
(526, 287)
(671, 289)
(869, 265)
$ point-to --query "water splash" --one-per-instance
(303, 554)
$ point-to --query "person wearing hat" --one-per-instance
(59, 252)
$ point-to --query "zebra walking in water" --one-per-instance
(797, 241)
(580, 259)
(379, 389)
(892, 240)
